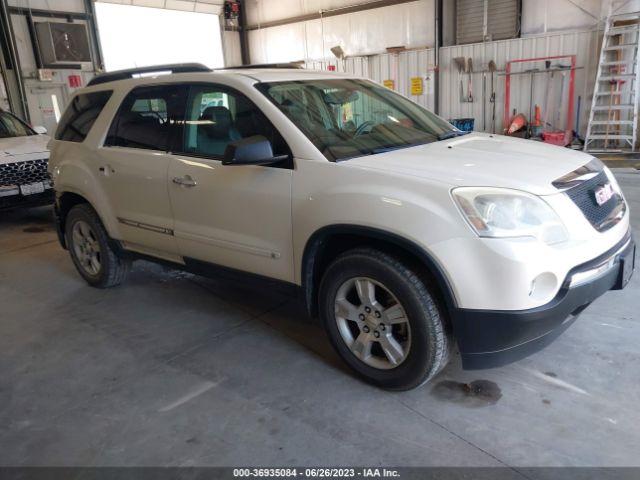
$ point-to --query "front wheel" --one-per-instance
(382, 319)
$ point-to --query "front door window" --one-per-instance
(217, 116)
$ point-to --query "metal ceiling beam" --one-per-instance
(244, 35)
(94, 33)
(361, 7)
(37, 12)
(436, 74)
(11, 70)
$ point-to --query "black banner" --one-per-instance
(400, 473)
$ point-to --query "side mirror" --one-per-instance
(255, 150)
(40, 130)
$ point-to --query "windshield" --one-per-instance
(347, 118)
(10, 126)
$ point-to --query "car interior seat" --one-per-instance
(216, 130)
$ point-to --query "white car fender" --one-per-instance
(414, 209)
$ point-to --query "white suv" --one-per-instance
(401, 232)
(24, 181)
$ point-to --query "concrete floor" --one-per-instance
(174, 369)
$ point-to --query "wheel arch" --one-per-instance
(330, 241)
(65, 201)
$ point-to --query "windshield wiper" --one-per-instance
(451, 134)
(397, 147)
(373, 151)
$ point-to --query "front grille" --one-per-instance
(583, 195)
(21, 173)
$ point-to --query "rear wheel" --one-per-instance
(382, 319)
(88, 243)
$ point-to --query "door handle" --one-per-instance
(185, 181)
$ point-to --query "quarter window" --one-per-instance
(149, 118)
(80, 116)
(217, 116)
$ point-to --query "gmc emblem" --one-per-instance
(603, 194)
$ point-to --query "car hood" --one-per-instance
(481, 160)
(13, 147)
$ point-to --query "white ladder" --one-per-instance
(613, 119)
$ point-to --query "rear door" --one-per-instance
(133, 166)
(235, 216)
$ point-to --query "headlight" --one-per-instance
(500, 212)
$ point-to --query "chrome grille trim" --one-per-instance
(580, 186)
(24, 172)
(579, 175)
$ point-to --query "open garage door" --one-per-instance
(198, 6)
(137, 33)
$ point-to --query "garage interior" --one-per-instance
(179, 370)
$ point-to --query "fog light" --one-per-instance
(543, 285)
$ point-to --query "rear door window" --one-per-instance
(150, 118)
(80, 115)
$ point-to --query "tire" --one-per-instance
(89, 247)
(421, 347)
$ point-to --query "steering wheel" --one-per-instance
(157, 115)
(362, 127)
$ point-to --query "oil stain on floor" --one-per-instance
(479, 393)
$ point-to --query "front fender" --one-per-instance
(415, 213)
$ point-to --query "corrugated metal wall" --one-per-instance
(583, 44)
(401, 67)
(355, 65)
(358, 33)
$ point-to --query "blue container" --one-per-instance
(464, 124)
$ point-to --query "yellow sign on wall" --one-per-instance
(416, 86)
(389, 84)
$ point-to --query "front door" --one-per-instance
(234, 216)
(133, 166)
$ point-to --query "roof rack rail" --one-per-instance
(130, 72)
(265, 65)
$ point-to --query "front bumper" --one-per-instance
(25, 182)
(26, 201)
(491, 338)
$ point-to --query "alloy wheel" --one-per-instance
(86, 247)
(373, 323)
